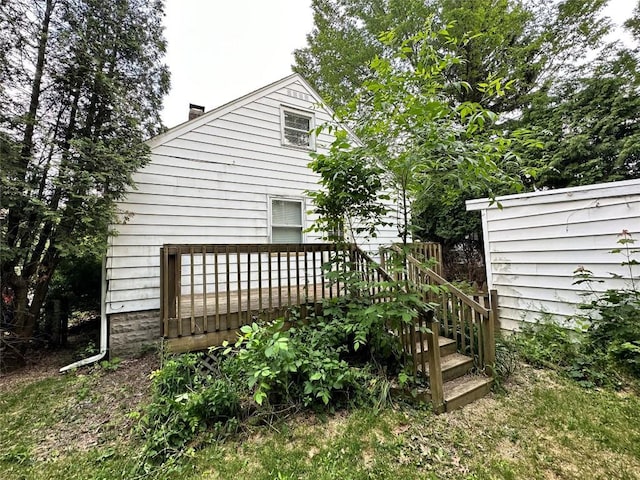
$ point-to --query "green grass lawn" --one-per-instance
(78, 426)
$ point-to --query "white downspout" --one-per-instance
(103, 325)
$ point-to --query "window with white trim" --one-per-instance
(296, 128)
(286, 221)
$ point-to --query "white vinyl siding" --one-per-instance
(535, 242)
(296, 128)
(286, 221)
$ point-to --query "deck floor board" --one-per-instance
(240, 302)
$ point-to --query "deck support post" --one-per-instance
(489, 334)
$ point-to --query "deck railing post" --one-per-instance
(489, 344)
(493, 302)
(173, 280)
(491, 323)
(435, 368)
(164, 301)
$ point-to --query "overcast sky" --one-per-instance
(219, 50)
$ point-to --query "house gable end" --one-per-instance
(298, 88)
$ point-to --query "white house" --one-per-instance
(535, 242)
(236, 174)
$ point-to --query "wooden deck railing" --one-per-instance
(209, 289)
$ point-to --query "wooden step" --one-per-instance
(458, 392)
(447, 346)
(453, 366)
(464, 390)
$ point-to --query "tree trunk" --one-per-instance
(13, 219)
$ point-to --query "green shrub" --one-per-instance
(506, 361)
(298, 365)
(608, 348)
(547, 344)
(185, 402)
(613, 317)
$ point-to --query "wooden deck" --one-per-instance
(204, 323)
(209, 291)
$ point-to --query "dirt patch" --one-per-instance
(42, 364)
(99, 411)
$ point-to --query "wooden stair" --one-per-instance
(460, 386)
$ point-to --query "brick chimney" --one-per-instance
(195, 111)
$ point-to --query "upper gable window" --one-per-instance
(296, 128)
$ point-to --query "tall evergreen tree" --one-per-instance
(83, 82)
(591, 124)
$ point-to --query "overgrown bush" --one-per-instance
(506, 361)
(298, 365)
(339, 358)
(549, 345)
(613, 316)
(185, 402)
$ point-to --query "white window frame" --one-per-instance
(312, 125)
(303, 217)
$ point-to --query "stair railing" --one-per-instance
(419, 338)
(458, 315)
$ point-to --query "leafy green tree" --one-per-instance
(352, 198)
(521, 45)
(419, 142)
(82, 90)
(523, 42)
(591, 125)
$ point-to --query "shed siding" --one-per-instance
(536, 242)
(211, 183)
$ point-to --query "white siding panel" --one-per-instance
(552, 245)
(138, 304)
(130, 296)
(214, 170)
(241, 200)
(135, 273)
(529, 272)
(189, 154)
(142, 222)
(227, 235)
(565, 214)
(117, 263)
(144, 212)
(118, 248)
(231, 181)
(537, 241)
(542, 258)
(555, 308)
(186, 196)
(122, 284)
(567, 231)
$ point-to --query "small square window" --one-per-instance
(296, 129)
(286, 221)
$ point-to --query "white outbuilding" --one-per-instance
(534, 242)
